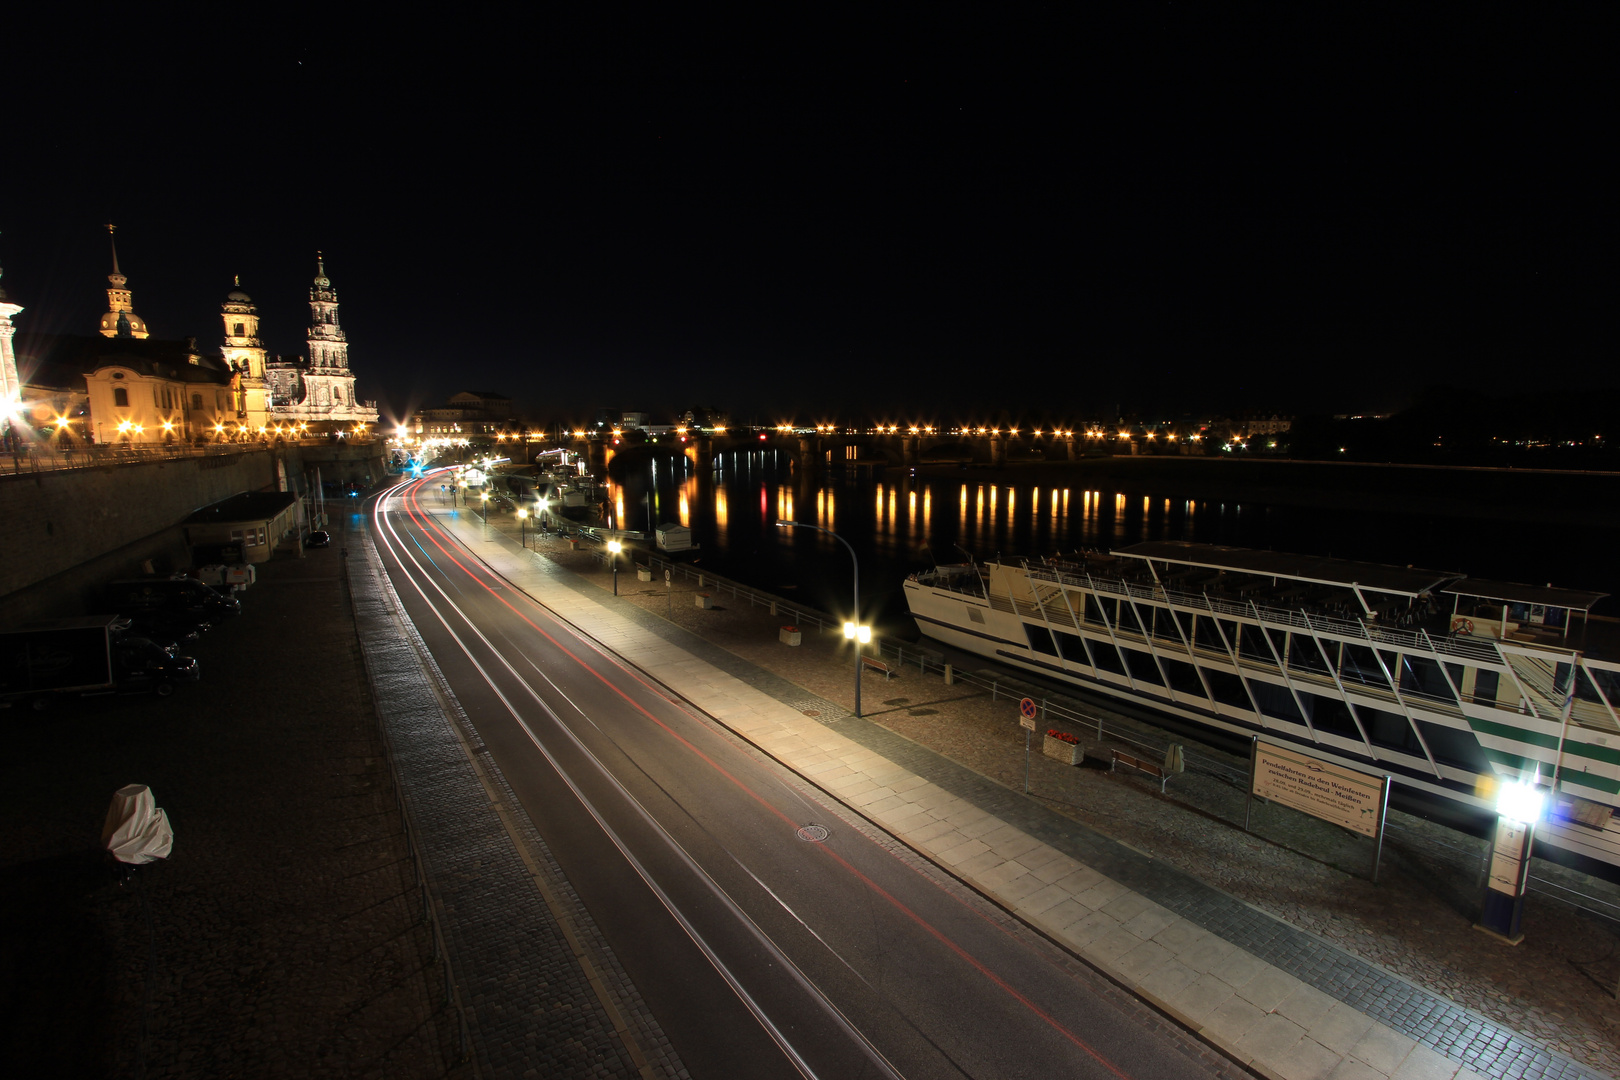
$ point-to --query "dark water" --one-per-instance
(899, 523)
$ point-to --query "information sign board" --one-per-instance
(1507, 856)
(1333, 793)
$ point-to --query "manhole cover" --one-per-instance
(815, 834)
(812, 713)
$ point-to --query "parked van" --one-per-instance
(186, 595)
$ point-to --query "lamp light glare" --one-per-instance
(1519, 802)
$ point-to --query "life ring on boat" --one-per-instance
(1462, 626)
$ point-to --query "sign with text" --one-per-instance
(1330, 792)
(1507, 856)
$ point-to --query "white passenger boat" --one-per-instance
(1447, 683)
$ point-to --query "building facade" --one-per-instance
(466, 414)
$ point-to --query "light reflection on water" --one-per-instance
(898, 524)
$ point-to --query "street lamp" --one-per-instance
(614, 547)
(852, 630)
(523, 521)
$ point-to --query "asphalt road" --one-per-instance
(762, 953)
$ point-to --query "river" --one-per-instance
(901, 520)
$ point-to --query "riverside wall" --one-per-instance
(67, 532)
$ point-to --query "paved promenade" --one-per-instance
(1275, 997)
(283, 937)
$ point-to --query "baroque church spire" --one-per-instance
(328, 345)
(120, 314)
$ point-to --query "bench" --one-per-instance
(1130, 761)
(878, 665)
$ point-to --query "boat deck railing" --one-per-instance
(1301, 619)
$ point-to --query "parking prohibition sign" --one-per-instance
(1026, 713)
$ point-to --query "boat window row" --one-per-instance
(1215, 690)
(1274, 648)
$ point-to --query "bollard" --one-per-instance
(950, 676)
(773, 609)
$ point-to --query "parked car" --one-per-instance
(318, 538)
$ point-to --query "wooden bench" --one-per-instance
(878, 665)
(1130, 761)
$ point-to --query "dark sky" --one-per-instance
(935, 215)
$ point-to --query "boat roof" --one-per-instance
(1513, 593)
(1321, 570)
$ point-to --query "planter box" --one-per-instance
(703, 600)
(1058, 750)
(788, 635)
(643, 573)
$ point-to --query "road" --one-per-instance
(765, 948)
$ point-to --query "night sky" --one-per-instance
(933, 215)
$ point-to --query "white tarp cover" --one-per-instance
(137, 831)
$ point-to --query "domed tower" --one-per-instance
(244, 352)
(119, 302)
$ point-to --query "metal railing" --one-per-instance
(36, 458)
(1406, 640)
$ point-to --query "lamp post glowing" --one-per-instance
(852, 629)
(1519, 806)
(614, 547)
(523, 521)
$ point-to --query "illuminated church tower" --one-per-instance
(244, 352)
(10, 384)
(120, 320)
(320, 390)
(328, 346)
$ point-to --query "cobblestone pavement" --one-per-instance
(283, 937)
(1405, 950)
